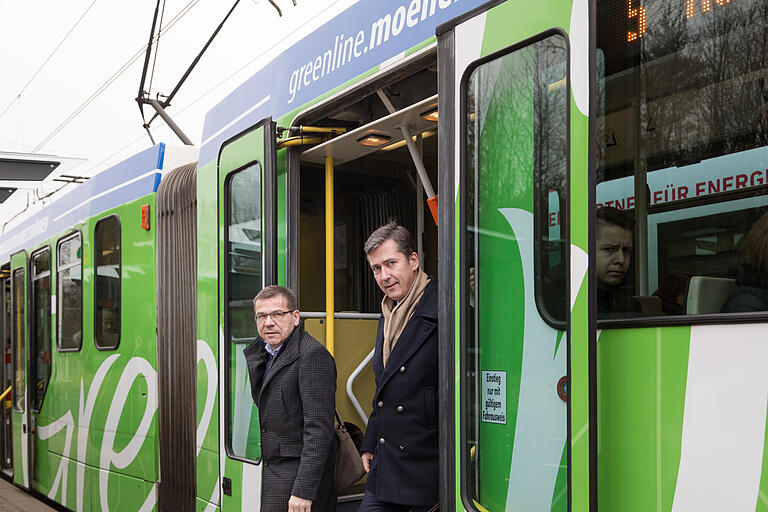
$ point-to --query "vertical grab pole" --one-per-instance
(329, 263)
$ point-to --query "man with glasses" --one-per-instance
(293, 383)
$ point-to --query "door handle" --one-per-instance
(24, 428)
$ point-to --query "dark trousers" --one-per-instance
(372, 504)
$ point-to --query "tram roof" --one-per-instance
(126, 181)
(300, 70)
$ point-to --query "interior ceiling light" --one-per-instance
(374, 139)
(430, 115)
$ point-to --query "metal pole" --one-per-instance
(329, 263)
(415, 156)
(173, 126)
(417, 161)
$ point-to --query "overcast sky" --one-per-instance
(71, 69)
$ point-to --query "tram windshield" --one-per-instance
(682, 122)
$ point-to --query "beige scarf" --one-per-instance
(396, 316)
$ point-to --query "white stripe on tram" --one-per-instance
(724, 419)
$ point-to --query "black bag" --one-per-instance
(349, 465)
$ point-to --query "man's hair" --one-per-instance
(616, 217)
(274, 290)
(757, 244)
(391, 231)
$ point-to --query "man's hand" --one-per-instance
(367, 458)
(296, 504)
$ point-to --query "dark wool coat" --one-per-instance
(402, 429)
(296, 403)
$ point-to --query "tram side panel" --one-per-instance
(96, 439)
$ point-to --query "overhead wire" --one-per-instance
(114, 77)
(140, 97)
(47, 59)
(197, 99)
(241, 68)
(157, 48)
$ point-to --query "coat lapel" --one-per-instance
(416, 332)
(256, 357)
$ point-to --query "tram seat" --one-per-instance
(707, 294)
(650, 304)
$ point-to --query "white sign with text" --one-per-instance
(494, 408)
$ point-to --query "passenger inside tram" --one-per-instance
(752, 279)
(613, 255)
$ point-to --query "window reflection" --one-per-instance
(69, 294)
(682, 133)
(17, 339)
(41, 327)
(107, 297)
(244, 276)
(516, 163)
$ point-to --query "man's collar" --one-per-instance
(273, 351)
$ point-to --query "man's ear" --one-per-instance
(296, 317)
(413, 261)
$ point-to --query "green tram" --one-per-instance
(125, 318)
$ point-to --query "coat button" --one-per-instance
(381, 440)
(402, 369)
(380, 404)
(400, 408)
(263, 430)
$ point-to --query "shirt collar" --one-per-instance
(273, 351)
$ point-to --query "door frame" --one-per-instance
(452, 290)
(23, 459)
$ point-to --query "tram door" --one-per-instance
(20, 406)
(512, 107)
(6, 374)
(247, 262)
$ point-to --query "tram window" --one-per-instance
(17, 339)
(244, 280)
(682, 121)
(516, 125)
(69, 288)
(40, 345)
(107, 283)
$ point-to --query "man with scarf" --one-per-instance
(400, 450)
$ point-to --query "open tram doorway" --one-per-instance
(6, 377)
(375, 180)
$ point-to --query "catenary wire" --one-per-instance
(157, 48)
(112, 78)
(50, 55)
(195, 101)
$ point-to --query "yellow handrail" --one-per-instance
(299, 140)
(333, 130)
(329, 264)
(5, 393)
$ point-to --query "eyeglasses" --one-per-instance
(260, 318)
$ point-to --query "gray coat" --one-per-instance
(296, 402)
